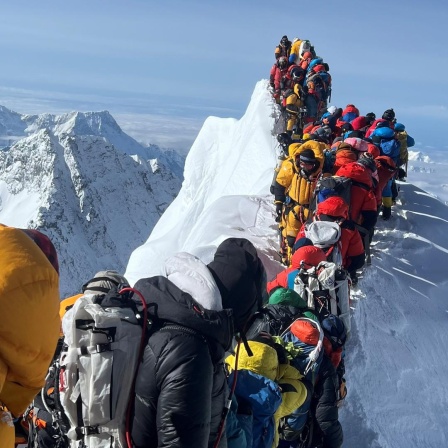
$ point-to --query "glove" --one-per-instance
(290, 240)
(342, 392)
(278, 211)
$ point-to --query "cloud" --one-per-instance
(427, 111)
(160, 130)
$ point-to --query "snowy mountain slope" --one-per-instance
(427, 169)
(396, 359)
(397, 356)
(96, 203)
(14, 126)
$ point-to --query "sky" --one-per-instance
(161, 68)
(395, 359)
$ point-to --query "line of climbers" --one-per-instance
(343, 154)
(335, 175)
(300, 83)
(329, 187)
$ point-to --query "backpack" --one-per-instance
(326, 290)
(331, 186)
(390, 148)
(317, 85)
(303, 341)
(327, 236)
(306, 336)
(90, 381)
(349, 113)
(265, 321)
(329, 159)
(45, 418)
(103, 341)
(410, 142)
(299, 426)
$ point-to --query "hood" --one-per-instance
(45, 245)
(359, 123)
(333, 206)
(344, 146)
(241, 278)
(357, 143)
(310, 255)
(166, 302)
(350, 108)
(29, 296)
(374, 150)
(191, 275)
(264, 361)
(356, 172)
(285, 298)
(385, 162)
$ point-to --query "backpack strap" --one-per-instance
(140, 357)
(290, 278)
(361, 185)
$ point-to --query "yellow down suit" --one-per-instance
(299, 186)
(29, 329)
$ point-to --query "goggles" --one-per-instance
(306, 163)
(330, 218)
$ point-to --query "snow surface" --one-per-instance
(396, 359)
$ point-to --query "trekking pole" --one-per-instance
(366, 240)
(226, 409)
(140, 356)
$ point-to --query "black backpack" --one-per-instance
(45, 429)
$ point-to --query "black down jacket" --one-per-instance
(328, 429)
(181, 385)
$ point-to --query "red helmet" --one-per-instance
(306, 55)
(333, 206)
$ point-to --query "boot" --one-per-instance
(387, 212)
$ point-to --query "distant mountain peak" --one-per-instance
(95, 202)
